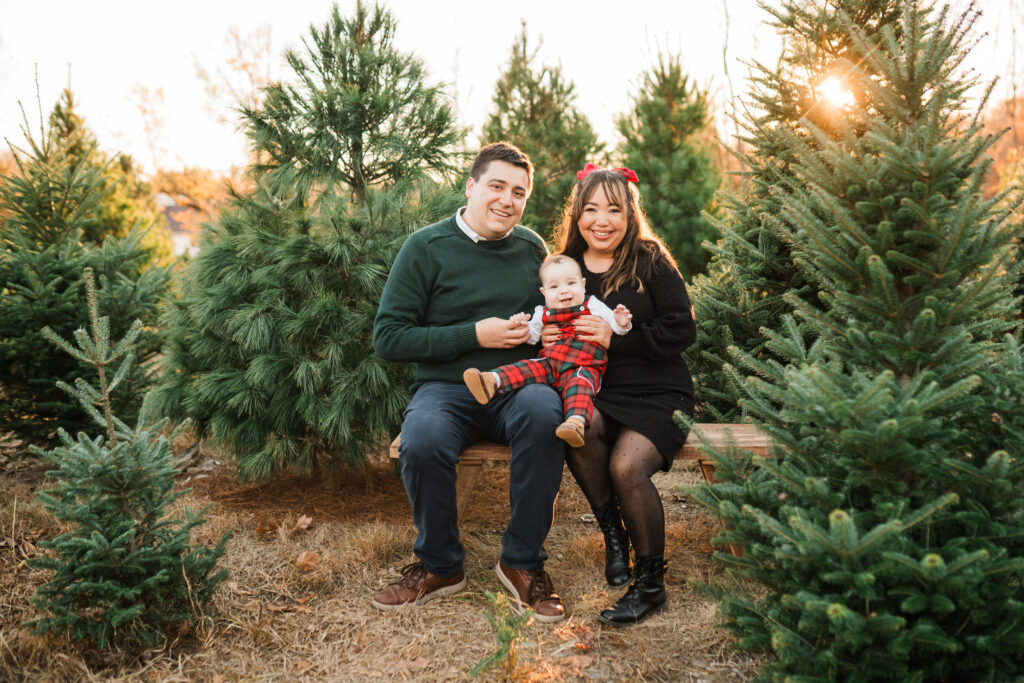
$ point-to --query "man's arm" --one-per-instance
(399, 331)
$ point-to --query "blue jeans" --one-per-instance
(442, 419)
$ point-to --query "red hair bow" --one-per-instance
(589, 168)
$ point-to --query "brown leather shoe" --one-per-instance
(482, 385)
(416, 587)
(571, 432)
(532, 589)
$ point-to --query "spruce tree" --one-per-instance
(886, 538)
(45, 209)
(125, 572)
(535, 109)
(751, 267)
(664, 139)
(271, 341)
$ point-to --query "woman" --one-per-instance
(633, 434)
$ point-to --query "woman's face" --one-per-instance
(602, 224)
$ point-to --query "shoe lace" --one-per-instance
(541, 587)
(412, 574)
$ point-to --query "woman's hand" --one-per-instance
(549, 334)
(591, 328)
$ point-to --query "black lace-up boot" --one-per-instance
(645, 596)
(616, 545)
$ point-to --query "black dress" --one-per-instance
(647, 380)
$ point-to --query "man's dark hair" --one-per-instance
(501, 151)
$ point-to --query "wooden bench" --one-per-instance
(471, 460)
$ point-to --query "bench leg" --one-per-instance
(467, 474)
(707, 468)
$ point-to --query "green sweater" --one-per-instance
(441, 284)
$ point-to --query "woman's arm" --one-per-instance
(672, 329)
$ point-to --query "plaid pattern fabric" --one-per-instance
(572, 366)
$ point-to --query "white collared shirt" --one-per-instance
(470, 232)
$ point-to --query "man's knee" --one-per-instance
(539, 403)
(427, 440)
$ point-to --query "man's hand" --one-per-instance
(623, 318)
(592, 328)
(498, 333)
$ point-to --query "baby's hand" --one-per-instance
(623, 318)
(520, 319)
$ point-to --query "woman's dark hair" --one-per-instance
(640, 248)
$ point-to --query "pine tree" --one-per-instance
(128, 202)
(534, 109)
(126, 571)
(664, 139)
(46, 207)
(271, 346)
(887, 538)
(750, 267)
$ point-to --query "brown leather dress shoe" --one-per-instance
(532, 589)
(416, 587)
(482, 385)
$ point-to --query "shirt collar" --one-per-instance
(470, 233)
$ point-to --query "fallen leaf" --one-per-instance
(303, 522)
(418, 663)
(265, 527)
(218, 678)
(307, 561)
(303, 601)
(302, 665)
(579, 661)
(233, 587)
(280, 608)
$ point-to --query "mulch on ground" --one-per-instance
(277, 619)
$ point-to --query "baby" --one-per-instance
(571, 365)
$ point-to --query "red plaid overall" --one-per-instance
(571, 365)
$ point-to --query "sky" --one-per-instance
(106, 47)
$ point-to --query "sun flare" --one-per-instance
(833, 91)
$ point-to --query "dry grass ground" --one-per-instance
(276, 622)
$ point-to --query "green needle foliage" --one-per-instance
(751, 266)
(508, 628)
(126, 572)
(270, 350)
(665, 140)
(57, 201)
(535, 109)
(886, 538)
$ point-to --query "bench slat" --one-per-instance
(746, 436)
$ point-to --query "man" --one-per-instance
(446, 307)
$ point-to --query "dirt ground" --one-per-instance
(279, 618)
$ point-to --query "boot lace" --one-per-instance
(412, 575)
(541, 587)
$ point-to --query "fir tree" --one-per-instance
(46, 207)
(751, 267)
(665, 140)
(271, 348)
(887, 538)
(126, 571)
(534, 109)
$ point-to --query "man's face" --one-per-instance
(495, 201)
(562, 285)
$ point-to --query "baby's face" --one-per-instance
(562, 285)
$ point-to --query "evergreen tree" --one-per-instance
(535, 110)
(664, 139)
(126, 571)
(46, 207)
(128, 202)
(887, 538)
(271, 351)
(751, 267)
